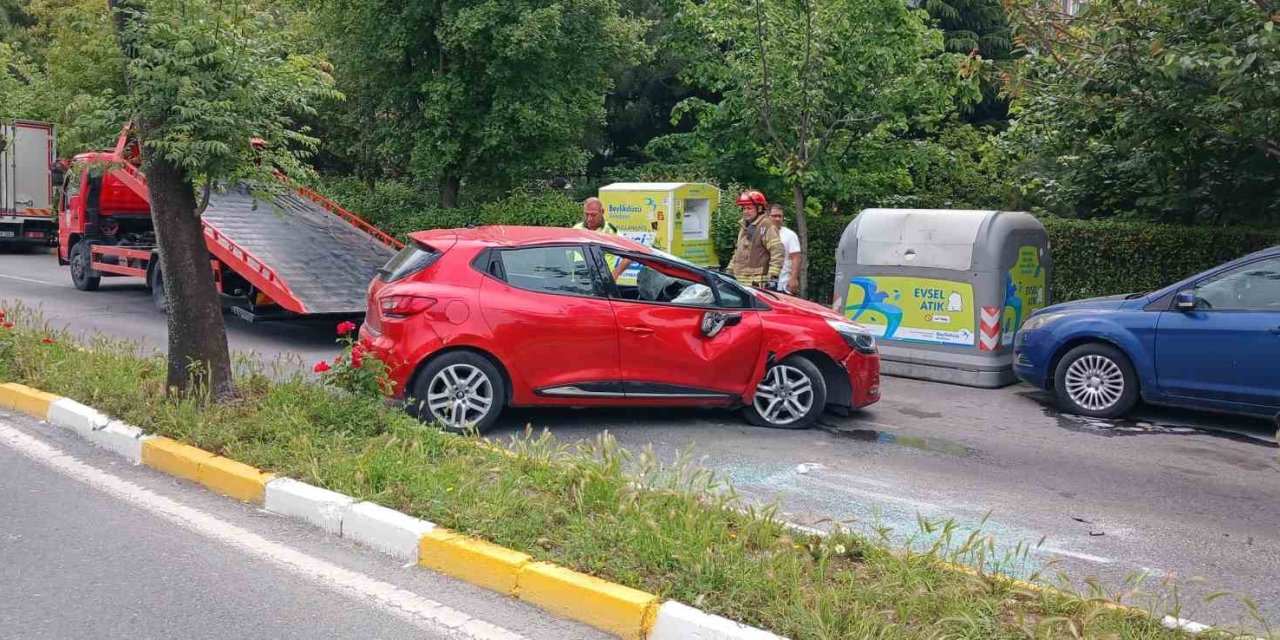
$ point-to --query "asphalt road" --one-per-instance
(1186, 499)
(90, 549)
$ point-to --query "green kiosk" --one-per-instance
(944, 290)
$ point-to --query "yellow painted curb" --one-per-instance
(174, 458)
(476, 561)
(235, 479)
(619, 610)
(27, 400)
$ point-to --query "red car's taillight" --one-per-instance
(403, 306)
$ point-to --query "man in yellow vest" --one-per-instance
(593, 217)
(593, 220)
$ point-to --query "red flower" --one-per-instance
(322, 367)
(357, 358)
(47, 340)
(7, 325)
(1, 315)
(346, 327)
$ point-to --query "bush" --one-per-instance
(399, 209)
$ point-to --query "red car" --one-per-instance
(470, 321)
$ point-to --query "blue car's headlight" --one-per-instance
(856, 336)
(1037, 322)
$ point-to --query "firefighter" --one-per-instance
(757, 257)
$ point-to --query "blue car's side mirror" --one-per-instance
(1185, 300)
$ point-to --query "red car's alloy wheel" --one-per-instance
(791, 396)
(460, 396)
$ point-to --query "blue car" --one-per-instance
(1209, 342)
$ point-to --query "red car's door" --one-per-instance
(665, 352)
(552, 323)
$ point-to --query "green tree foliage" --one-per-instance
(203, 78)
(979, 28)
(80, 75)
(804, 79)
(16, 77)
(490, 92)
(644, 96)
(1167, 110)
(14, 22)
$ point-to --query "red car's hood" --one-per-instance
(796, 305)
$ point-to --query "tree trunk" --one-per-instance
(198, 355)
(802, 230)
(449, 192)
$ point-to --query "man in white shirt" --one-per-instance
(789, 279)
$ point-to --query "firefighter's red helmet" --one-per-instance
(751, 196)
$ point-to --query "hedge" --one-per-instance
(1104, 257)
(1091, 257)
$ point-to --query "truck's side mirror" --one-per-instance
(1185, 300)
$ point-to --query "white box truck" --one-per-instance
(27, 157)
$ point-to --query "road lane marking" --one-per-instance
(31, 280)
(1076, 554)
(422, 612)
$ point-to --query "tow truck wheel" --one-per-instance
(158, 295)
(82, 273)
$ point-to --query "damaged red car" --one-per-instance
(471, 321)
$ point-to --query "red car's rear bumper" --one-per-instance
(400, 367)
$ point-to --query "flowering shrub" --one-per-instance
(355, 370)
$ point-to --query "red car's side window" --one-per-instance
(556, 269)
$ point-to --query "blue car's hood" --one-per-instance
(1103, 303)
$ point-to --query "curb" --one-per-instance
(613, 608)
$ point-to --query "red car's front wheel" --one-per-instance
(792, 395)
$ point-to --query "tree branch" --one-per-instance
(806, 110)
(767, 113)
(204, 197)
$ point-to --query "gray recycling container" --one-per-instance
(944, 290)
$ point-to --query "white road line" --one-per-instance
(1076, 554)
(31, 280)
(422, 612)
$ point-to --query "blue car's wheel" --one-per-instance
(1095, 380)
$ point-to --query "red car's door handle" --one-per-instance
(640, 331)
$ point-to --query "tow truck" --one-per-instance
(26, 183)
(295, 255)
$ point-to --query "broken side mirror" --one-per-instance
(713, 322)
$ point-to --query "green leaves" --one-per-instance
(205, 78)
(1165, 110)
(488, 92)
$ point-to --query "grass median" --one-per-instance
(670, 529)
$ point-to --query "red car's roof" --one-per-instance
(515, 236)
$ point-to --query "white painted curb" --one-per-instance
(681, 622)
(69, 414)
(124, 439)
(385, 530)
(319, 507)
